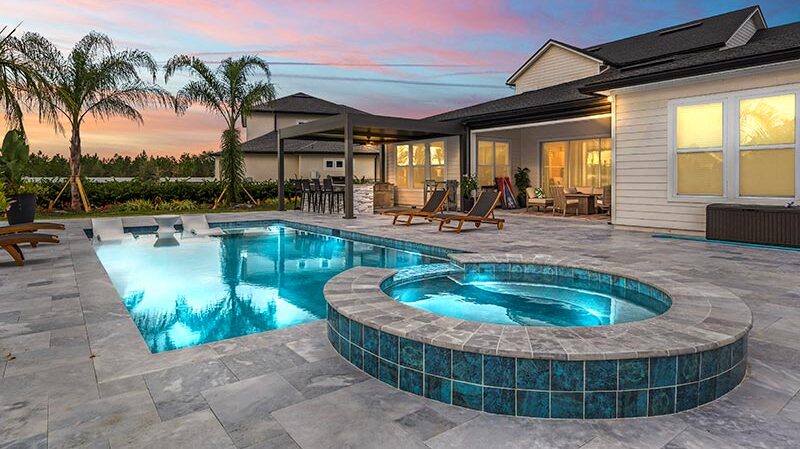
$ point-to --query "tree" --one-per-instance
(226, 91)
(95, 80)
(20, 84)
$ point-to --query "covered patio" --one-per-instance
(366, 129)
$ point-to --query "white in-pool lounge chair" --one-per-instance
(198, 225)
(109, 230)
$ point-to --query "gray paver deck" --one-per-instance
(76, 372)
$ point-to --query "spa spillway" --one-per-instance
(623, 343)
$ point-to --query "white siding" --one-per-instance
(743, 34)
(555, 66)
(641, 159)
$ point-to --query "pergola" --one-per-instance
(365, 129)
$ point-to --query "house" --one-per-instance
(674, 119)
(303, 158)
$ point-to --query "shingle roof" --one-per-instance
(306, 104)
(690, 36)
(268, 144)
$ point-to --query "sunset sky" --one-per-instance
(407, 58)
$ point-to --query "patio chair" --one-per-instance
(539, 203)
(433, 206)
(27, 228)
(481, 212)
(10, 243)
(330, 194)
(109, 230)
(198, 225)
(560, 201)
(604, 203)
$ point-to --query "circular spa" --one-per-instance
(542, 336)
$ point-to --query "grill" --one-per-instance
(766, 225)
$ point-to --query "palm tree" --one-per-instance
(20, 84)
(226, 91)
(95, 80)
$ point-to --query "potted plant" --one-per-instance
(469, 186)
(13, 161)
(522, 181)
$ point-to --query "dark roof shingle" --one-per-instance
(305, 104)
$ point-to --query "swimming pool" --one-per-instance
(528, 300)
(212, 288)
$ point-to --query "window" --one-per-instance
(741, 145)
(418, 162)
(576, 163)
(493, 161)
(331, 164)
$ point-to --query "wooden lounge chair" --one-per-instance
(433, 206)
(10, 243)
(561, 202)
(27, 228)
(481, 212)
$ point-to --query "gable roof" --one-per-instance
(268, 143)
(303, 103)
(709, 32)
(542, 50)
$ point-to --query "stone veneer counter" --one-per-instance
(691, 354)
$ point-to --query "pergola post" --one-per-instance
(281, 176)
(348, 167)
(382, 168)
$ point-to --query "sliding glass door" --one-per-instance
(576, 163)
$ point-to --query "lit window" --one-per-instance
(768, 173)
(436, 161)
(767, 121)
(699, 159)
(402, 166)
(418, 162)
(493, 161)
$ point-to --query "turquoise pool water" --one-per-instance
(540, 301)
(213, 288)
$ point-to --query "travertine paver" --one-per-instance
(77, 373)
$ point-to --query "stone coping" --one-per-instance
(702, 316)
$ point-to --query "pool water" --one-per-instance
(549, 301)
(212, 288)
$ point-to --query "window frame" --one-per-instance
(567, 140)
(336, 164)
(730, 146)
(427, 161)
(494, 141)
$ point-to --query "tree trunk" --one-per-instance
(75, 166)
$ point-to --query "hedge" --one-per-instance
(115, 192)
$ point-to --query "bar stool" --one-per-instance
(307, 196)
(298, 193)
(316, 190)
(330, 194)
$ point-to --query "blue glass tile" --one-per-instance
(566, 405)
(724, 362)
(332, 335)
(662, 401)
(686, 397)
(566, 376)
(499, 400)
(371, 364)
(709, 364)
(533, 374)
(723, 384)
(344, 326)
(662, 371)
(411, 353)
(387, 372)
(601, 405)
(344, 347)
(437, 361)
(533, 403)
(708, 391)
(438, 388)
(371, 339)
(737, 374)
(356, 356)
(411, 381)
(633, 374)
(357, 333)
(468, 395)
(737, 351)
(601, 375)
(467, 366)
(688, 368)
(388, 343)
(631, 403)
(499, 371)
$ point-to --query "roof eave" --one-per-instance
(575, 108)
(536, 55)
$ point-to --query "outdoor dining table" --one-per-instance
(586, 202)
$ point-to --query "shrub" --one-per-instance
(138, 205)
(177, 205)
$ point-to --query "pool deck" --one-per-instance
(76, 372)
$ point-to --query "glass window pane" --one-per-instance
(402, 177)
(402, 155)
(699, 126)
(418, 155)
(485, 175)
(700, 173)
(766, 173)
(437, 153)
(501, 171)
(767, 121)
(553, 154)
(437, 172)
(419, 176)
(501, 153)
(485, 152)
